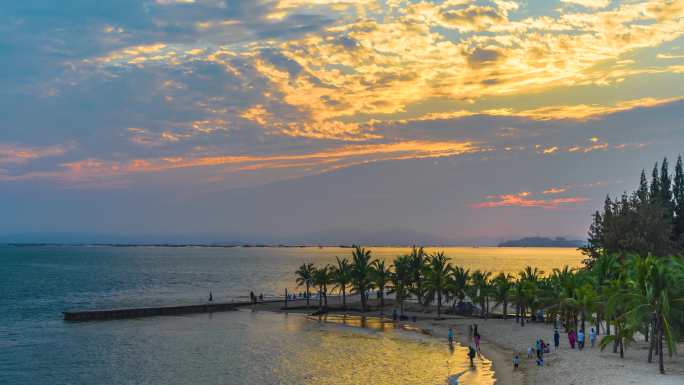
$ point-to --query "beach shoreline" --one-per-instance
(501, 339)
(499, 356)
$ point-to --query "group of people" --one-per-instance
(540, 347)
(253, 298)
(579, 338)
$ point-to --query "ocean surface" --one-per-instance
(243, 347)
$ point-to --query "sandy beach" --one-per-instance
(502, 338)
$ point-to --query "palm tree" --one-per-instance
(381, 277)
(341, 276)
(617, 307)
(603, 270)
(533, 276)
(563, 295)
(457, 287)
(437, 277)
(480, 289)
(418, 258)
(305, 277)
(503, 285)
(586, 299)
(362, 273)
(663, 290)
(401, 280)
(524, 293)
(322, 278)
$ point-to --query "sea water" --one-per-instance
(242, 347)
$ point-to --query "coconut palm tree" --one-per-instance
(341, 276)
(305, 277)
(480, 289)
(418, 261)
(502, 285)
(381, 276)
(321, 278)
(457, 287)
(586, 300)
(401, 280)
(663, 292)
(437, 277)
(618, 298)
(603, 270)
(362, 273)
(524, 293)
(533, 276)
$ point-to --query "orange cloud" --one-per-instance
(18, 154)
(522, 200)
(554, 190)
(95, 169)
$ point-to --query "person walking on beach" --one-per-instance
(516, 361)
(580, 339)
(592, 337)
(556, 339)
(471, 355)
(571, 338)
(477, 342)
(450, 335)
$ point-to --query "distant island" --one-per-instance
(542, 242)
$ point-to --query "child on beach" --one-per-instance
(471, 355)
(450, 335)
(556, 339)
(516, 361)
(477, 342)
(530, 351)
(592, 337)
(580, 339)
(571, 338)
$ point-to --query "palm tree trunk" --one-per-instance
(439, 304)
(608, 327)
(363, 300)
(618, 337)
(622, 349)
(344, 297)
(307, 295)
(598, 323)
(505, 309)
(522, 315)
(320, 298)
(661, 359)
(382, 300)
(652, 345)
(583, 319)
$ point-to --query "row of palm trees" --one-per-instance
(621, 297)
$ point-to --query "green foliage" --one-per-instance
(648, 221)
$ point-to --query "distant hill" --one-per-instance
(542, 242)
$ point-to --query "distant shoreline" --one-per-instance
(283, 246)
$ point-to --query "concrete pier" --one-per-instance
(111, 314)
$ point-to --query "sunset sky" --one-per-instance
(383, 121)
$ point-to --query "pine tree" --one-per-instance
(655, 184)
(665, 184)
(678, 197)
(592, 250)
(642, 192)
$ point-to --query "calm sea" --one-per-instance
(37, 347)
